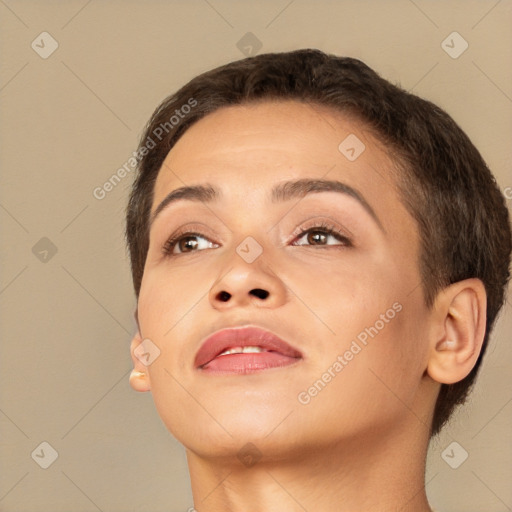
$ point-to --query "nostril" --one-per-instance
(224, 296)
(262, 294)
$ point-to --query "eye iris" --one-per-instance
(317, 236)
(186, 243)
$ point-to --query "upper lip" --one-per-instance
(247, 336)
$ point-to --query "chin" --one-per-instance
(228, 428)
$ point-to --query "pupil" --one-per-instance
(188, 243)
(314, 237)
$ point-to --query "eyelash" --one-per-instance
(323, 227)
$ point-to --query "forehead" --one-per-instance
(247, 149)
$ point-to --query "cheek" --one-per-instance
(394, 358)
(328, 273)
(168, 295)
(379, 331)
(378, 382)
(342, 295)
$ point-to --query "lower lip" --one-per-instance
(248, 363)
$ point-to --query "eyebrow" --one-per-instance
(281, 192)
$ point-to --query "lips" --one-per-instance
(249, 349)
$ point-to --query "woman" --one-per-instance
(314, 253)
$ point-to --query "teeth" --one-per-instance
(243, 350)
(253, 350)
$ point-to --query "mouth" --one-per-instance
(244, 350)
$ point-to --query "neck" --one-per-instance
(381, 474)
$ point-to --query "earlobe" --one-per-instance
(139, 377)
(461, 313)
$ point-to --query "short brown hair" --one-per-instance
(462, 217)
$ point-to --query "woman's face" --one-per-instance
(349, 301)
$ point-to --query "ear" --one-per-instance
(139, 378)
(460, 315)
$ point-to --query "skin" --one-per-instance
(361, 442)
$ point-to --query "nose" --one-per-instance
(246, 284)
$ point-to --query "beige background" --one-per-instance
(71, 120)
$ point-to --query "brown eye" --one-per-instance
(317, 237)
(185, 243)
(321, 235)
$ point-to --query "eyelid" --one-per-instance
(190, 229)
(322, 223)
